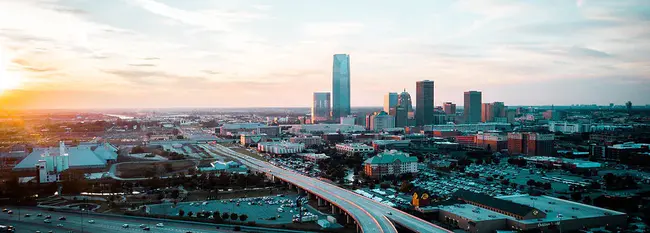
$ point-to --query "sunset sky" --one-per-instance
(248, 53)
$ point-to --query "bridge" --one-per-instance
(368, 215)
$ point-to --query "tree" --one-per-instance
(217, 216)
(181, 213)
(243, 217)
(531, 182)
(190, 214)
(406, 187)
(576, 196)
(587, 200)
(225, 215)
(234, 216)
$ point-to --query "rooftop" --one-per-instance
(391, 157)
(630, 145)
(557, 209)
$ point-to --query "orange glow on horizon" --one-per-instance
(8, 80)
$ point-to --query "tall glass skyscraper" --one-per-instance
(341, 86)
(424, 103)
(472, 107)
(390, 102)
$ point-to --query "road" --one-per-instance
(103, 224)
(371, 216)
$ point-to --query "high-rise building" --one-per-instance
(424, 103)
(320, 108)
(449, 108)
(487, 112)
(390, 101)
(498, 109)
(403, 110)
(472, 107)
(341, 86)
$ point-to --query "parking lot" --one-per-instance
(262, 210)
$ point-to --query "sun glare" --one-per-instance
(8, 80)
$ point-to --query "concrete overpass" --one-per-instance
(367, 214)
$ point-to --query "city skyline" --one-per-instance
(252, 54)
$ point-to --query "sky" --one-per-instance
(276, 53)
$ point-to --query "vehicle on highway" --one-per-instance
(62, 218)
(10, 212)
(4, 228)
(143, 226)
(27, 215)
(59, 225)
(48, 217)
(91, 221)
(47, 221)
(38, 231)
(4, 210)
(160, 225)
(125, 226)
(389, 213)
(146, 229)
(39, 215)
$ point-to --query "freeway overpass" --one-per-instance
(369, 215)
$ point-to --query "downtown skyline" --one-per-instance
(224, 54)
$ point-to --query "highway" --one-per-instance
(103, 223)
(371, 216)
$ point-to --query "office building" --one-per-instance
(449, 108)
(390, 102)
(493, 112)
(235, 129)
(354, 148)
(469, 127)
(348, 120)
(324, 129)
(320, 108)
(498, 110)
(472, 107)
(250, 139)
(531, 144)
(381, 120)
(424, 103)
(341, 86)
(487, 114)
(280, 148)
(390, 163)
(492, 141)
(404, 110)
(308, 140)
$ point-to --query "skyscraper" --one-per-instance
(424, 103)
(487, 112)
(472, 107)
(390, 101)
(404, 108)
(320, 108)
(450, 108)
(341, 86)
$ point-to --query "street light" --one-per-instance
(559, 222)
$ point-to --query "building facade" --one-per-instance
(424, 103)
(307, 140)
(280, 148)
(449, 108)
(390, 163)
(341, 86)
(472, 107)
(390, 102)
(531, 144)
(404, 110)
(381, 120)
(492, 141)
(320, 108)
(354, 148)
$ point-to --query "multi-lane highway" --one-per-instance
(370, 215)
(75, 222)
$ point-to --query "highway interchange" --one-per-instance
(369, 214)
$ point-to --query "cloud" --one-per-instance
(331, 29)
(142, 64)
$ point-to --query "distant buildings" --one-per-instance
(308, 140)
(280, 148)
(320, 108)
(424, 103)
(341, 86)
(380, 121)
(354, 148)
(567, 128)
(54, 160)
(233, 129)
(622, 152)
(472, 107)
(248, 139)
(490, 112)
(531, 144)
(390, 163)
(492, 141)
(404, 111)
(325, 129)
(313, 157)
(348, 120)
(449, 108)
(390, 102)
(469, 127)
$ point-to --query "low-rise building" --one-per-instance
(469, 127)
(313, 156)
(390, 163)
(308, 140)
(325, 129)
(234, 129)
(249, 139)
(354, 148)
(391, 144)
(492, 141)
(280, 148)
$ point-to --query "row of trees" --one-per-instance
(216, 216)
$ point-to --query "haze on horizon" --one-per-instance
(249, 53)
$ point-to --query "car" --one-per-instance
(39, 215)
(4, 210)
(47, 221)
(59, 225)
(91, 221)
(62, 218)
(125, 226)
(48, 217)
(146, 229)
(10, 212)
(143, 226)
(160, 225)
(38, 231)
(389, 213)
(27, 215)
